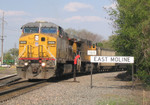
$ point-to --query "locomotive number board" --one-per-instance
(112, 59)
(91, 52)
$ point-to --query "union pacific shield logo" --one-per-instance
(36, 43)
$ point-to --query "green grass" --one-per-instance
(119, 101)
(2, 68)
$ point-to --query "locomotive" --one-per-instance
(46, 50)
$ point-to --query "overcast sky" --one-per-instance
(76, 14)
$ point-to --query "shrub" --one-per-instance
(144, 76)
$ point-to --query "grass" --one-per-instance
(148, 88)
(2, 68)
(119, 101)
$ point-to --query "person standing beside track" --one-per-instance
(76, 62)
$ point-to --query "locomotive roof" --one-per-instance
(39, 23)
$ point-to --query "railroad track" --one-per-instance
(9, 79)
(13, 89)
(18, 88)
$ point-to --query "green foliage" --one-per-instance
(132, 23)
(99, 44)
(10, 55)
(7, 56)
(144, 76)
(109, 43)
(14, 52)
(147, 81)
(2, 68)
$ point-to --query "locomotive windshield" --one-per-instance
(31, 30)
(52, 30)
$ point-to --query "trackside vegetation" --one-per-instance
(118, 101)
(131, 19)
(10, 56)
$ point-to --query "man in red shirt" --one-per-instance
(75, 66)
(75, 60)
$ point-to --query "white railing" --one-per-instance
(50, 53)
(22, 52)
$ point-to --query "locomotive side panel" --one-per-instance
(62, 50)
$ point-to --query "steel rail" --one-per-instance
(8, 76)
(9, 79)
(9, 92)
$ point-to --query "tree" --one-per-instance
(84, 34)
(7, 56)
(14, 52)
(11, 54)
(132, 23)
(109, 43)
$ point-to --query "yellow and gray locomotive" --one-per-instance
(42, 47)
(45, 51)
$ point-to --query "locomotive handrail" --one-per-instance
(22, 52)
(40, 46)
(50, 53)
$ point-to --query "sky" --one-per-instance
(75, 14)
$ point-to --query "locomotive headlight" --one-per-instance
(43, 64)
(26, 63)
(51, 42)
(36, 37)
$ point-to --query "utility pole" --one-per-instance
(2, 38)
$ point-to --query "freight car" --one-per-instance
(46, 50)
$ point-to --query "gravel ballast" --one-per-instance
(106, 88)
(7, 71)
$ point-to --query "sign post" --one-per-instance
(132, 74)
(91, 77)
(91, 52)
(114, 59)
(74, 73)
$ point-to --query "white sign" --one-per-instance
(112, 59)
(91, 52)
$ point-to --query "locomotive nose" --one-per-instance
(35, 68)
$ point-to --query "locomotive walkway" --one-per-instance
(106, 90)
